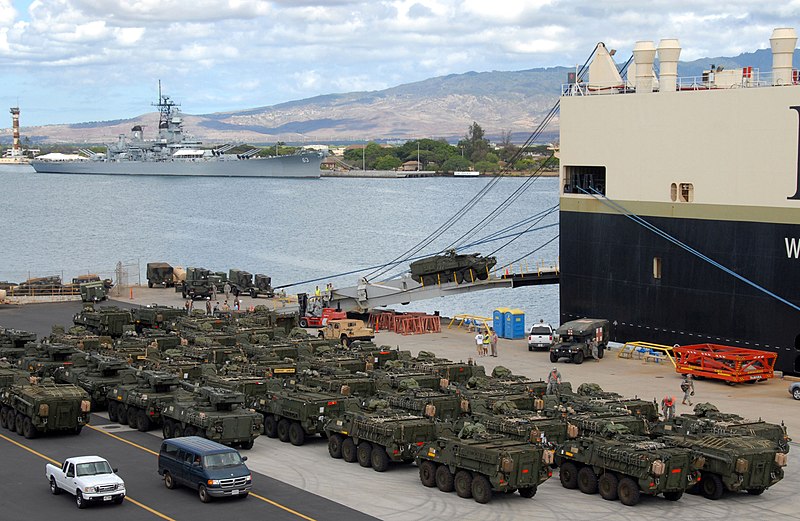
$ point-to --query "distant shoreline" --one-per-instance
(398, 174)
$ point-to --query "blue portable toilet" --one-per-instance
(499, 321)
(514, 324)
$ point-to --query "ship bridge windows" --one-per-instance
(585, 180)
(683, 192)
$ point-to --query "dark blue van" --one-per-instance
(213, 470)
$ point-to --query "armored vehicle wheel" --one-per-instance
(112, 411)
(143, 422)
(189, 431)
(28, 429)
(3, 417)
(149, 284)
(553, 357)
(460, 278)
(427, 473)
(205, 497)
(527, 492)
(133, 417)
(79, 501)
(235, 291)
(270, 426)
(380, 460)
(587, 481)
(755, 491)
(296, 435)
(445, 481)
(303, 322)
(601, 351)
(53, 487)
(247, 445)
(283, 430)
(628, 491)
(568, 474)
(429, 280)
(177, 430)
(481, 489)
(166, 429)
(168, 481)
(19, 423)
(122, 414)
(335, 446)
(673, 495)
(364, 453)
(607, 484)
(712, 486)
(463, 483)
(482, 275)
(78, 429)
(10, 420)
(577, 358)
(349, 450)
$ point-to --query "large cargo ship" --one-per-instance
(680, 201)
(173, 153)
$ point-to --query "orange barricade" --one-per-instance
(405, 323)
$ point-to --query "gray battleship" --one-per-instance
(174, 153)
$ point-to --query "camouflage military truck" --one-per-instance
(197, 284)
(140, 405)
(292, 413)
(377, 438)
(262, 286)
(109, 320)
(452, 267)
(159, 273)
(40, 406)
(733, 462)
(476, 463)
(156, 317)
(216, 414)
(622, 466)
(240, 281)
(574, 340)
(43, 359)
(346, 330)
(93, 291)
(96, 374)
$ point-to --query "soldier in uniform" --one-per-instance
(553, 379)
(668, 407)
(687, 386)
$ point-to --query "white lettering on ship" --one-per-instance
(792, 247)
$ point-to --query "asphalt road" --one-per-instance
(40, 318)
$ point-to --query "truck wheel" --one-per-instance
(79, 501)
(28, 429)
(283, 430)
(607, 485)
(601, 352)
(587, 481)
(349, 451)
(427, 473)
(527, 492)
(177, 430)
(481, 489)
(122, 414)
(380, 460)
(53, 487)
(3, 411)
(673, 495)
(296, 435)
(463, 483)
(577, 358)
(270, 426)
(247, 445)
(756, 491)
(119, 500)
(568, 474)
(133, 417)
(205, 497)
(143, 422)
(553, 357)
(628, 492)
(19, 423)
(149, 284)
(168, 481)
(189, 431)
(253, 293)
(364, 453)
(303, 322)
(345, 341)
(335, 446)
(112, 412)
(444, 479)
(712, 485)
(166, 429)
(10, 419)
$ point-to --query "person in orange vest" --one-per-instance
(668, 407)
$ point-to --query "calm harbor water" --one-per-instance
(292, 230)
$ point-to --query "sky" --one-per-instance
(70, 61)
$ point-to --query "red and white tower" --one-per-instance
(16, 150)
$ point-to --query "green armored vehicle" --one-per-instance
(262, 286)
(96, 374)
(12, 342)
(156, 317)
(93, 291)
(476, 463)
(197, 284)
(159, 273)
(109, 320)
(526, 426)
(379, 437)
(216, 414)
(622, 466)
(43, 359)
(574, 339)
(442, 405)
(452, 267)
(140, 404)
(38, 406)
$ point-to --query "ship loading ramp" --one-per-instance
(730, 364)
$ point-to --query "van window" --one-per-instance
(225, 459)
(169, 450)
(186, 457)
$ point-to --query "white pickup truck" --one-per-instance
(540, 336)
(88, 478)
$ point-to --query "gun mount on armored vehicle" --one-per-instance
(108, 320)
(42, 359)
(452, 267)
(96, 374)
(13, 341)
(156, 317)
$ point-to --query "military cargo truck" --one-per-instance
(240, 281)
(159, 273)
(96, 374)
(197, 284)
(452, 267)
(574, 340)
(475, 465)
(346, 331)
(93, 291)
(109, 320)
(140, 405)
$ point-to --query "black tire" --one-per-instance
(183, 293)
(553, 357)
(202, 492)
(79, 501)
(445, 481)
(28, 429)
(283, 429)
(19, 422)
(247, 445)
(673, 495)
(380, 460)
(133, 417)
(364, 453)
(122, 414)
(712, 486)
(9, 418)
(796, 393)
(235, 291)
(3, 412)
(253, 294)
(112, 411)
(296, 435)
(628, 492)
(756, 491)
(270, 426)
(335, 446)
(53, 487)
(143, 422)
(168, 481)
(303, 322)
(427, 473)
(460, 277)
(149, 284)
(601, 352)
(349, 451)
(166, 429)
(345, 341)
(119, 500)
(577, 358)
(177, 430)
(527, 492)
(530, 348)
(568, 474)
(587, 481)
(463, 483)
(607, 485)
(481, 489)
(243, 495)
(189, 431)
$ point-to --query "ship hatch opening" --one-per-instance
(583, 179)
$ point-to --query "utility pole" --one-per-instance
(417, 155)
(364, 157)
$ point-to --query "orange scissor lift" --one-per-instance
(730, 364)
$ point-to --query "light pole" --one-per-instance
(364, 157)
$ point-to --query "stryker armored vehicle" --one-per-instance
(393, 378)
(354, 384)
(12, 342)
(574, 339)
(197, 284)
(476, 463)
(452, 267)
(527, 426)
(216, 414)
(93, 291)
(441, 405)
(96, 374)
(240, 281)
(159, 273)
(379, 437)
(42, 359)
(262, 286)
(140, 405)
(109, 320)
(733, 462)
(620, 465)
(37, 406)
(456, 372)
(156, 317)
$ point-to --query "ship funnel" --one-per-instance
(783, 42)
(669, 50)
(644, 53)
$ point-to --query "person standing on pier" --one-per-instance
(553, 379)
(227, 290)
(208, 307)
(687, 386)
(479, 343)
(493, 341)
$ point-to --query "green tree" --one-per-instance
(487, 166)
(456, 163)
(387, 162)
(475, 145)
(507, 149)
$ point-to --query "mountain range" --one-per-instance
(441, 107)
